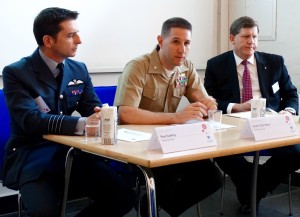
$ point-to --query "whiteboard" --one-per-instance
(112, 31)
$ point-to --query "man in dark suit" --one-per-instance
(40, 104)
(270, 80)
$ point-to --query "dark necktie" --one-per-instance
(58, 78)
(247, 87)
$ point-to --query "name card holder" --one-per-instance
(183, 137)
(271, 127)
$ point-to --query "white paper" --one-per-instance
(154, 142)
(182, 137)
(246, 131)
(272, 127)
(132, 135)
(275, 87)
(217, 127)
(42, 105)
(244, 115)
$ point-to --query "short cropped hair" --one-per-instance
(242, 22)
(48, 22)
(175, 22)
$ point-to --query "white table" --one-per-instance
(229, 143)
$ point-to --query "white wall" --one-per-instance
(287, 41)
(132, 23)
(287, 31)
(112, 31)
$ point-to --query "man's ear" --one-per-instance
(159, 40)
(48, 40)
(231, 38)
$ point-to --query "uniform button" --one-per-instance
(76, 103)
(155, 67)
(61, 96)
(61, 112)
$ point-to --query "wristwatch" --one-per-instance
(290, 110)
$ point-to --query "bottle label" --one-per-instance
(109, 120)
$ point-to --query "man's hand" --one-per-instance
(210, 103)
(194, 111)
(290, 110)
(241, 107)
(96, 115)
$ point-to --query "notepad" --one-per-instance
(133, 135)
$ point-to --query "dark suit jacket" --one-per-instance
(27, 153)
(221, 81)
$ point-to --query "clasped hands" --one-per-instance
(196, 110)
(246, 106)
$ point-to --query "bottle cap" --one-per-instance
(105, 105)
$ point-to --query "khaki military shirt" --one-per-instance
(145, 84)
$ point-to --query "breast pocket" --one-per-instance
(178, 93)
(153, 99)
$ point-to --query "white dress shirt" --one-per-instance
(254, 78)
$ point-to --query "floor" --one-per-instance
(274, 205)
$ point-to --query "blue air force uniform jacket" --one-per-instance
(38, 106)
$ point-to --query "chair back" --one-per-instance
(106, 94)
(4, 127)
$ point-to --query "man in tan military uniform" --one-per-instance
(145, 84)
(149, 91)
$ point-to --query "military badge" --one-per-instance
(75, 82)
(181, 80)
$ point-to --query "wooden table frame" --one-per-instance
(229, 143)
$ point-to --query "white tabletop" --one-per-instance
(228, 143)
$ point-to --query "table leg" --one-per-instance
(150, 186)
(68, 167)
(254, 183)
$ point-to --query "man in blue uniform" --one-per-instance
(41, 92)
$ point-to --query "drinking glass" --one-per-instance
(92, 130)
(215, 119)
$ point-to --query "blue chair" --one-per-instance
(4, 127)
(4, 136)
(106, 94)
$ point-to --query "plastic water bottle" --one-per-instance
(109, 124)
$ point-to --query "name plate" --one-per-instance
(271, 127)
(182, 137)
